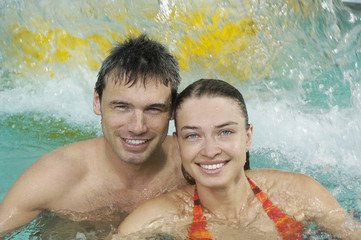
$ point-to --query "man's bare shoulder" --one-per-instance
(78, 149)
(68, 158)
(49, 183)
(54, 173)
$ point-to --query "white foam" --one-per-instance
(329, 137)
(66, 96)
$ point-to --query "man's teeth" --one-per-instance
(212, 166)
(135, 142)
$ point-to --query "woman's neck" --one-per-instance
(227, 202)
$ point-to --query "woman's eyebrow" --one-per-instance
(186, 127)
(189, 128)
(226, 124)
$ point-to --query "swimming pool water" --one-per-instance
(296, 62)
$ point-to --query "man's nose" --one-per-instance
(137, 123)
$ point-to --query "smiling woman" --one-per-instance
(214, 140)
(213, 137)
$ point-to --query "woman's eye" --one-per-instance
(226, 132)
(191, 136)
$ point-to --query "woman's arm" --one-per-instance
(327, 213)
(149, 215)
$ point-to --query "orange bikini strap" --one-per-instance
(287, 227)
(198, 229)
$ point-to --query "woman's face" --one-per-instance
(213, 140)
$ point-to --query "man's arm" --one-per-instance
(14, 213)
(35, 190)
(22, 203)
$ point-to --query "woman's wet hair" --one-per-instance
(211, 88)
(139, 59)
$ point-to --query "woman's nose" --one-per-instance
(210, 148)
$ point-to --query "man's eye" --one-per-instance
(155, 110)
(121, 107)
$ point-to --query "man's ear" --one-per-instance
(96, 103)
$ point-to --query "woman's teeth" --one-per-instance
(212, 166)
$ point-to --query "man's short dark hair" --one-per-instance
(139, 59)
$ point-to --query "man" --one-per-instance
(133, 161)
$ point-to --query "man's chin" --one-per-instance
(137, 159)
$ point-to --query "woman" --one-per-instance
(223, 200)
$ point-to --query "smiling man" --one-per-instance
(135, 159)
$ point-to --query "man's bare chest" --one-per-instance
(92, 195)
(105, 203)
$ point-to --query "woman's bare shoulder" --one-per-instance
(147, 214)
(289, 189)
(283, 179)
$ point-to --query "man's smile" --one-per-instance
(135, 141)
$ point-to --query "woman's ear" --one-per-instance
(175, 139)
(96, 103)
(249, 137)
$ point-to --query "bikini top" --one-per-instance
(287, 227)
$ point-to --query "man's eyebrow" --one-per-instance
(158, 105)
(119, 102)
(154, 105)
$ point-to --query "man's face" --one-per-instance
(134, 119)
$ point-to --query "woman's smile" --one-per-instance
(212, 168)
